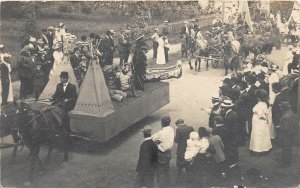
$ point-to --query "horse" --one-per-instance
(44, 127)
(199, 48)
(36, 127)
(12, 115)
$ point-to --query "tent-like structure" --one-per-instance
(94, 99)
(54, 79)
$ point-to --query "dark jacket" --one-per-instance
(4, 72)
(182, 135)
(232, 123)
(26, 67)
(243, 107)
(50, 38)
(252, 96)
(214, 112)
(288, 132)
(276, 112)
(148, 158)
(123, 43)
(107, 45)
(264, 85)
(60, 95)
(74, 60)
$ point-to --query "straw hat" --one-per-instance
(227, 103)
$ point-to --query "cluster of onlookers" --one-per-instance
(256, 106)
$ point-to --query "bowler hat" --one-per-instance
(227, 103)
(64, 74)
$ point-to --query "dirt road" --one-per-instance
(113, 165)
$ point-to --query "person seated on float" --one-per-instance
(83, 46)
(125, 82)
(65, 97)
(111, 82)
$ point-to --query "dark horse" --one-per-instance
(11, 116)
(37, 127)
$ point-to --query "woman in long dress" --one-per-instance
(260, 140)
(160, 51)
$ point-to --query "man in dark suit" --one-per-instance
(25, 67)
(50, 36)
(182, 135)
(65, 96)
(281, 95)
(148, 160)
(244, 110)
(215, 110)
(251, 79)
(75, 58)
(288, 130)
(232, 123)
(263, 84)
(124, 48)
(107, 47)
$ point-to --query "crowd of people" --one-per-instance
(256, 106)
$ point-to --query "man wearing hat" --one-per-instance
(281, 95)
(124, 48)
(39, 79)
(242, 107)
(165, 29)
(295, 61)
(25, 68)
(288, 132)
(182, 135)
(65, 96)
(261, 83)
(50, 36)
(185, 30)
(75, 58)
(107, 47)
(251, 80)
(232, 123)
(148, 160)
(139, 62)
(215, 110)
(154, 38)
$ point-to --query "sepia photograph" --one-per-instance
(150, 94)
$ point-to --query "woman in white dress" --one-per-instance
(160, 51)
(260, 140)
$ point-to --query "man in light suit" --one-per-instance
(65, 97)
